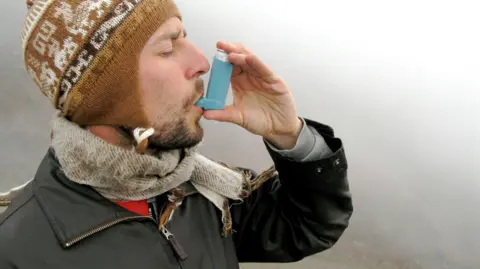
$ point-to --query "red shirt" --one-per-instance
(139, 207)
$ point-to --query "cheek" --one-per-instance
(160, 90)
(151, 83)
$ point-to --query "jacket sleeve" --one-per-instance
(310, 146)
(302, 210)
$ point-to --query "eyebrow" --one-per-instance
(170, 35)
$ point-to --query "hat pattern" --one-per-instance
(62, 44)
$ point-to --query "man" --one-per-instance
(123, 185)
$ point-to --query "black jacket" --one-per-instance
(55, 223)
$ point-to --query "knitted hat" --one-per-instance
(83, 55)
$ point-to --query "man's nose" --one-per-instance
(198, 63)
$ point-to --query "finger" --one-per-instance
(239, 62)
(259, 67)
(233, 47)
(227, 47)
(238, 59)
(236, 71)
(251, 64)
(228, 114)
(242, 61)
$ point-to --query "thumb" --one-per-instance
(228, 114)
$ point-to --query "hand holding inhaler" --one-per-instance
(262, 102)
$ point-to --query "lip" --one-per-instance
(200, 86)
(198, 99)
(199, 109)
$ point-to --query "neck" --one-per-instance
(111, 135)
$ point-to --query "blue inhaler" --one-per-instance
(218, 83)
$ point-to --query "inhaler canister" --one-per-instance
(218, 83)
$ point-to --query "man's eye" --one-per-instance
(166, 53)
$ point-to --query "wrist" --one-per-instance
(287, 140)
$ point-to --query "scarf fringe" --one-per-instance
(250, 184)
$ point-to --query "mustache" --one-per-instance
(198, 92)
(200, 86)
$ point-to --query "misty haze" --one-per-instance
(398, 81)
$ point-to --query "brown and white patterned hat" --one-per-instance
(83, 55)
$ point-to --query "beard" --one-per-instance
(179, 132)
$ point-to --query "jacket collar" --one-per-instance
(73, 210)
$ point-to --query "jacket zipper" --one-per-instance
(103, 227)
(172, 240)
(177, 248)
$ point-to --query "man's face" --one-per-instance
(169, 73)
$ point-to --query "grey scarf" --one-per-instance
(121, 174)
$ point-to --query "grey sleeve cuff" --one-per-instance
(311, 146)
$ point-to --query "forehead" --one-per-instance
(169, 27)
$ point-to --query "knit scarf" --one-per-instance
(121, 174)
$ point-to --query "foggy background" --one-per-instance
(399, 81)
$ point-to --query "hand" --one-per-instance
(262, 102)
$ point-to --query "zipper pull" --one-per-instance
(174, 243)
